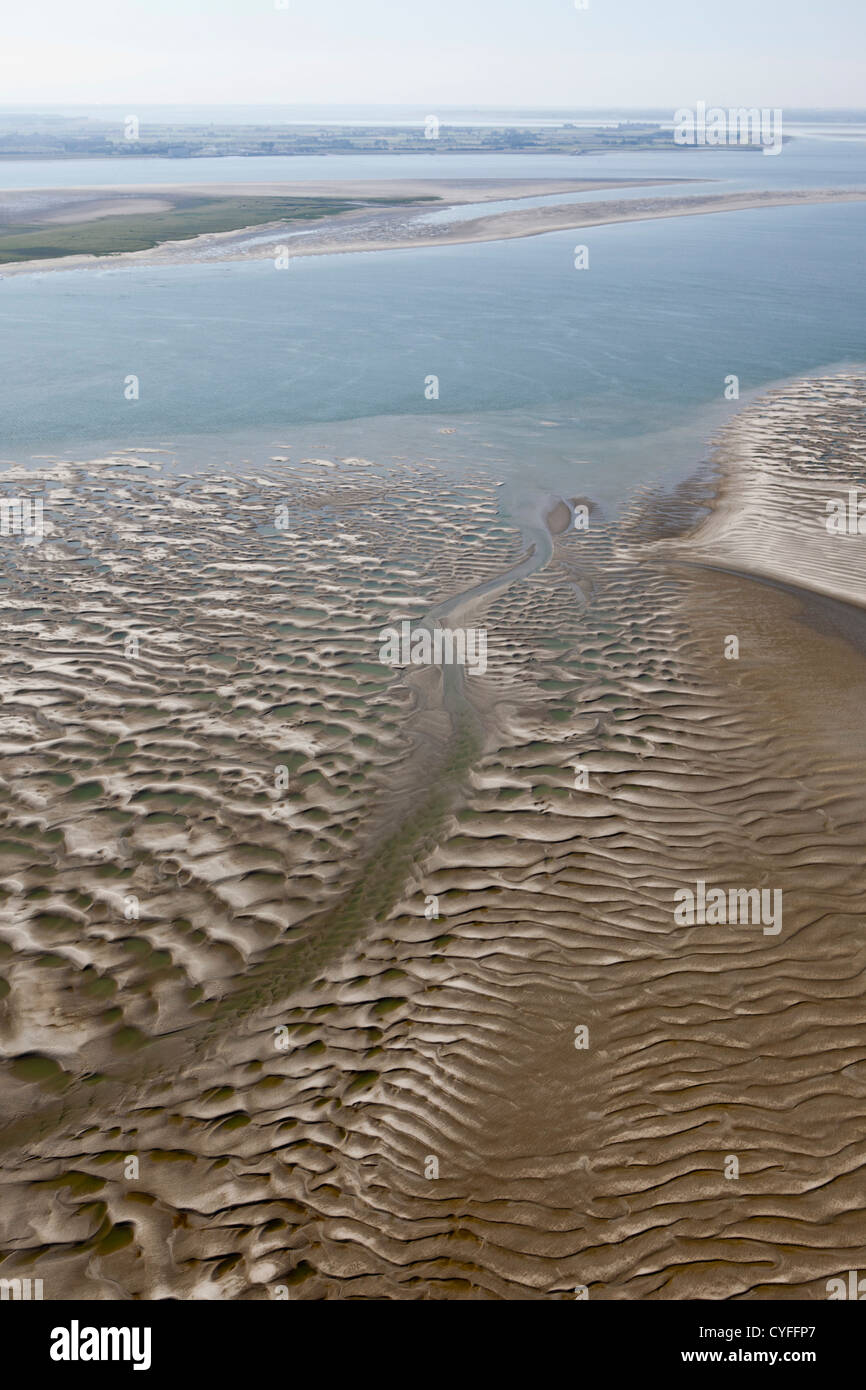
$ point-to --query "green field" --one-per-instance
(190, 217)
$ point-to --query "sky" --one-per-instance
(623, 53)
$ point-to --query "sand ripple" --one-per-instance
(329, 1092)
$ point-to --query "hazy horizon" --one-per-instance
(660, 109)
(496, 52)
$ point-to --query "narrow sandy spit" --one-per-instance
(404, 229)
(448, 190)
(538, 221)
(53, 207)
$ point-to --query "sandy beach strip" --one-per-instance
(780, 517)
(392, 229)
(448, 190)
(562, 217)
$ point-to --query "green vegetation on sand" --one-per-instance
(189, 217)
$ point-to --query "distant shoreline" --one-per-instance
(124, 138)
(65, 158)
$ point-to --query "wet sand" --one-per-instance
(448, 190)
(35, 208)
(390, 229)
(340, 1034)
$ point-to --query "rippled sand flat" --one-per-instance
(334, 1022)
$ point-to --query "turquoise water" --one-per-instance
(621, 365)
(665, 311)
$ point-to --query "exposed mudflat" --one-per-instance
(334, 1021)
(31, 209)
(395, 229)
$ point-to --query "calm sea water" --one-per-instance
(812, 162)
(620, 367)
